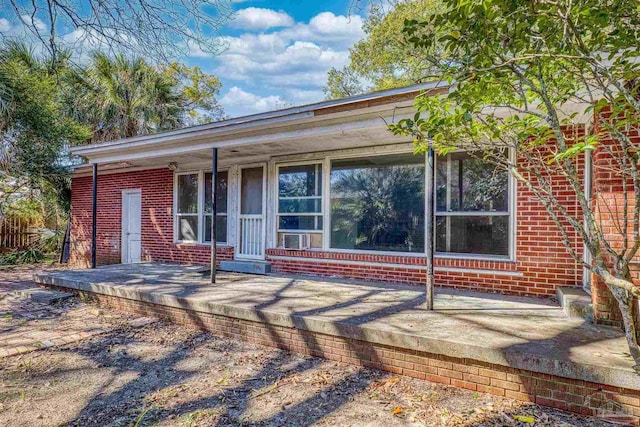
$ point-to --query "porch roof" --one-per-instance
(345, 123)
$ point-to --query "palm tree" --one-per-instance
(122, 97)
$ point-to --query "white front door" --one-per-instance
(251, 219)
(131, 226)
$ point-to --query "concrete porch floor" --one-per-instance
(524, 333)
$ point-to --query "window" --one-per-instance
(187, 209)
(221, 206)
(300, 198)
(193, 218)
(472, 206)
(377, 203)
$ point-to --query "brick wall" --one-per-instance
(558, 392)
(157, 221)
(608, 203)
(542, 262)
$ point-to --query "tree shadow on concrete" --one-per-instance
(351, 352)
(305, 412)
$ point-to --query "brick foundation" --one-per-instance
(562, 393)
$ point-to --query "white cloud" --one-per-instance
(239, 102)
(196, 51)
(256, 18)
(296, 57)
(5, 25)
(286, 66)
(274, 62)
(33, 22)
(245, 103)
(328, 27)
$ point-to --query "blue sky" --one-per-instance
(278, 52)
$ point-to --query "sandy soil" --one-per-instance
(166, 375)
(161, 374)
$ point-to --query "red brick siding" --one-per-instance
(542, 262)
(608, 204)
(558, 392)
(157, 220)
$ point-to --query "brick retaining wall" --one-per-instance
(548, 390)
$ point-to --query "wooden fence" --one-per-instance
(15, 233)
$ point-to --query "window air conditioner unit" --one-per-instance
(295, 241)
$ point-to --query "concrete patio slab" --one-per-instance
(518, 332)
(46, 296)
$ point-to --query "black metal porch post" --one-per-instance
(214, 185)
(430, 224)
(94, 216)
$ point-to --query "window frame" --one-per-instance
(326, 159)
(320, 214)
(327, 205)
(200, 214)
(510, 213)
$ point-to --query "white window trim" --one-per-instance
(311, 214)
(200, 210)
(511, 202)
(326, 158)
(327, 236)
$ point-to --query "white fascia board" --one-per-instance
(178, 136)
(258, 139)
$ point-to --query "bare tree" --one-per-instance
(161, 30)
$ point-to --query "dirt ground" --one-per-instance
(140, 374)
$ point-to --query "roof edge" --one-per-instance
(290, 113)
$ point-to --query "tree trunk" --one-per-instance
(625, 302)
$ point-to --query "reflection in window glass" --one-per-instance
(221, 192)
(300, 197)
(377, 203)
(472, 206)
(221, 228)
(294, 222)
(188, 193)
(465, 183)
(473, 234)
(189, 213)
(221, 207)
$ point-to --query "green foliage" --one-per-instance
(47, 245)
(34, 131)
(383, 59)
(47, 105)
(529, 77)
(26, 256)
(121, 97)
(510, 64)
(197, 92)
(25, 208)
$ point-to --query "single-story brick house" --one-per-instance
(321, 189)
